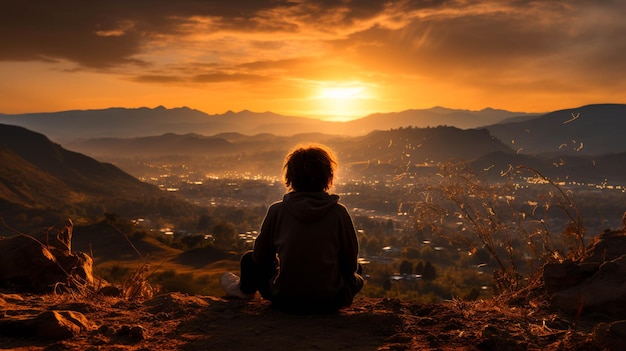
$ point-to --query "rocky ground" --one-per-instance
(576, 305)
(177, 321)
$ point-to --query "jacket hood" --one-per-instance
(309, 206)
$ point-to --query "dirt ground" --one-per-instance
(176, 321)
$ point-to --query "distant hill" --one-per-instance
(434, 117)
(587, 130)
(142, 122)
(39, 176)
(264, 153)
(581, 168)
(420, 145)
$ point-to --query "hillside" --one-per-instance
(581, 168)
(434, 117)
(40, 177)
(586, 130)
(77, 171)
(420, 145)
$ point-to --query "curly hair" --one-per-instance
(310, 168)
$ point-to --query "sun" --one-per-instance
(339, 93)
(341, 102)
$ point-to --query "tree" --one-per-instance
(204, 223)
(224, 234)
(406, 267)
(192, 241)
(386, 284)
(430, 273)
(411, 252)
(419, 268)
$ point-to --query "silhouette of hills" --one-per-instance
(587, 130)
(421, 145)
(380, 151)
(264, 153)
(433, 117)
(39, 175)
(142, 122)
(581, 168)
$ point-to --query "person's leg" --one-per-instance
(255, 278)
(353, 285)
(249, 273)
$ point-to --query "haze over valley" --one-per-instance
(579, 148)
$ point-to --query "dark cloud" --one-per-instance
(228, 77)
(425, 37)
(155, 78)
(213, 77)
(103, 33)
(539, 40)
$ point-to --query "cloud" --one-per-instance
(105, 33)
(497, 43)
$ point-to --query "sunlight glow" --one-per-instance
(341, 102)
(340, 92)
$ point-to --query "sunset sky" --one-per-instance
(312, 58)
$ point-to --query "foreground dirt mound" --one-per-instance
(180, 322)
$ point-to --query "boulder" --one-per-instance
(51, 325)
(59, 324)
(42, 261)
(611, 335)
(594, 283)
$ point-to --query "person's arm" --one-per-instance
(264, 253)
(349, 245)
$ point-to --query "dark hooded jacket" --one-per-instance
(310, 237)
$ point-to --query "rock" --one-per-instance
(50, 325)
(559, 276)
(595, 283)
(604, 292)
(38, 262)
(136, 332)
(611, 335)
(59, 325)
(610, 245)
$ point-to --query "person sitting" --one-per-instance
(305, 256)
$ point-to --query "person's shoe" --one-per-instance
(230, 284)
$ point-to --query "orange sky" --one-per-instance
(329, 59)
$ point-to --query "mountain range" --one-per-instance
(586, 130)
(140, 122)
(38, 174)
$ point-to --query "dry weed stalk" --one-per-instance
(137, 286)
(461, 206)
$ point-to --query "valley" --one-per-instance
(420, 196)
